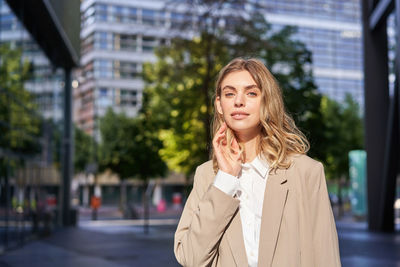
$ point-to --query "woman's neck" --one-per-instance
(250, 146)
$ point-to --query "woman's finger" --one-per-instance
(220, 133)
(223, 127)
(218, 138)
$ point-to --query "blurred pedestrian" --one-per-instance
(260, 201)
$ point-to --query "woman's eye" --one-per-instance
(252, 93)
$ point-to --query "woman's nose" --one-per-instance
(239, 100)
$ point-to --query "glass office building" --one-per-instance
(46, 82)
(331, 30)
(118, 36)
(30, 144)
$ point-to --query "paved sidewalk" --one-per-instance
(100, 246)
(123, 243)
(359, 247)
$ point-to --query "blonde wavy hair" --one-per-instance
(279, 136)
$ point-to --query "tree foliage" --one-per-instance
(343, 132)
(290, 61)
(180, 85)
(19, 121)
(178, 98)
(128, 147)
(84, 150)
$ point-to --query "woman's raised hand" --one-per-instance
(228, 158)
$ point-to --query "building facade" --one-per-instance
(119, 35)
(331, 30)
(46, 83)
(35, 139)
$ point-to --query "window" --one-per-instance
(124, 69)
(101, 40)
(128, 42)
(148, 43)
(103, 92)
(128, 97)
(177, 20)
(104, 99)
(8, 22)
(132, 15)
(117, 14)
(161, 18)
(102, 68)
(42, 73)
(101, 12)
(148, 16)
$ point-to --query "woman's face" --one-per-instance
(240, 103)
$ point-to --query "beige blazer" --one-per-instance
(297, 228)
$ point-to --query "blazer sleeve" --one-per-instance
(206, 215)
(325, 239)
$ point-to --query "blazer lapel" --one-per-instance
(275, 196)
(234, 235)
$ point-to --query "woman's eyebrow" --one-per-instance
(253, 86)
(228, 87)
(248, 87)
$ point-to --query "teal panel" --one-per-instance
(358, 187)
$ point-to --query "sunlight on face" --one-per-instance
(240, 103)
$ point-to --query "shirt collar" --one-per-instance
(259, 165)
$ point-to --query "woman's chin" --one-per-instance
(245, 130)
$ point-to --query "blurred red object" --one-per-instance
(51, 201)
(177, 198)
(95, 202)
(162, 205)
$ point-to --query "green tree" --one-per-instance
(178, 98)
(290, 61)
(19, 121)
(180, 85)
(129, 148)
(343, 133)
(83, 151)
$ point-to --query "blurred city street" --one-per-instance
(104, 246)
(107, 109)
(114, 243)
(109, 241)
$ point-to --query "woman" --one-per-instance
(260, 201)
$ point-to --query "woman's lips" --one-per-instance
(239, 115)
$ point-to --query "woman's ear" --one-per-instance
(218, 104)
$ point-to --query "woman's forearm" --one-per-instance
(205, 217)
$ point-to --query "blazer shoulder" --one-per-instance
(204, 173)
(304, 164)
(206, 167)
(308, 172)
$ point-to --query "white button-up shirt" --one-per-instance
(249, 189)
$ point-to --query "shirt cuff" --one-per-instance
(226, 183)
